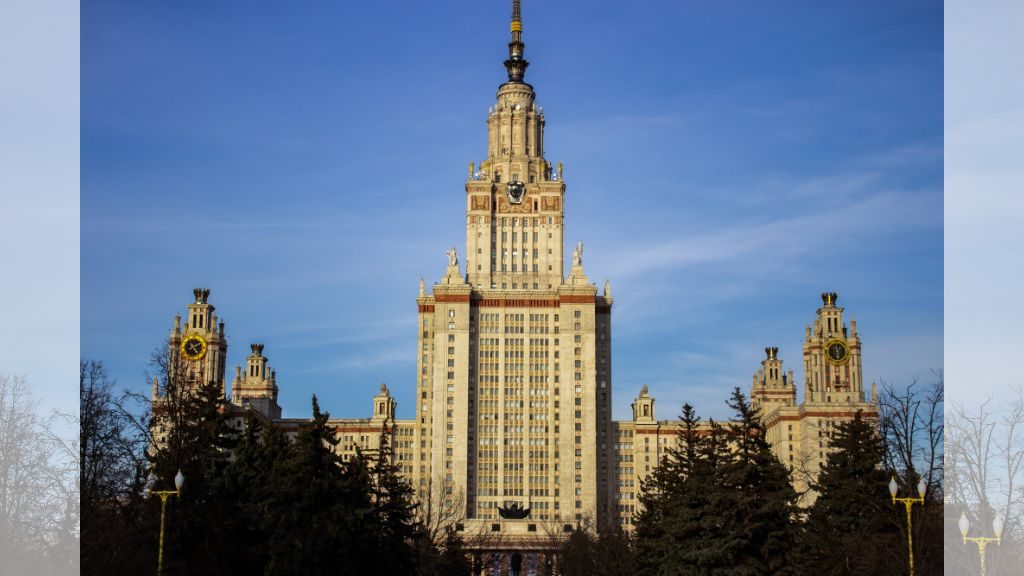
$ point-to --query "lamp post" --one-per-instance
(908, 502)
(179, 480)
(982, 542)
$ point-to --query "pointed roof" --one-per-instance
(516, 64)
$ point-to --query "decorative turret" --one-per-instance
(384, 405)
(199, 342)
(516, 64)
(771, 387)
(201, 294)
(257, 386)
(832, 357)
(643, 406)
(829, 299)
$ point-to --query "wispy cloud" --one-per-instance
(878, 214)
(361, 361)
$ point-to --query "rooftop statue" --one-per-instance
(515, 511)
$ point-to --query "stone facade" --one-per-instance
(514, 367)
(799, 434)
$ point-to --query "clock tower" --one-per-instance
(200, 344)
(832, 359)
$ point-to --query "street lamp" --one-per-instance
(179, 481)
(982, 542)
(909, 503)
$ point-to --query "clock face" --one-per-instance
(193, 347)
(516, 191)
(837, 352)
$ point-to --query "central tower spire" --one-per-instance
(516, 64)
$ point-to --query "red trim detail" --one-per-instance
(572, 299)
(451, 298)
(515, 302)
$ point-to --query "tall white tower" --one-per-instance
(514, 371)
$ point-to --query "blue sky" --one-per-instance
(725, 163)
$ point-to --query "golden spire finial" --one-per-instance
(516, 64)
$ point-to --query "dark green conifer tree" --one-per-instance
(245, 491)
(852, 528)
(452, 557)
(397, 529)
(576, 556)
(613, 554)
(756, 498)
(197, 442)
(320, 512)
(719, 504)
(670, 532)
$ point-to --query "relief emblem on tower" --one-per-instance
(480, 203)
(550, 203)
(506, 207)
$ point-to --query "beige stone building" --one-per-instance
(514, 364)
(798, 433)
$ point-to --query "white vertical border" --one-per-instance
(39, 198)
(984, 202)
(984, 196)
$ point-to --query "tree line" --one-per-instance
(258, 502)
(39, 509)
(985, 464)
(254, 501)
(721, 504)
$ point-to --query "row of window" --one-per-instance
(525, 221)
